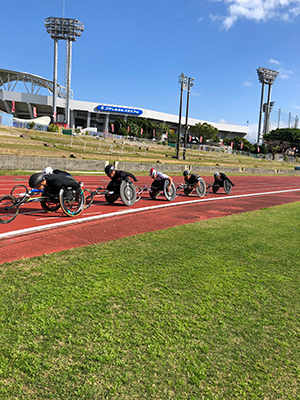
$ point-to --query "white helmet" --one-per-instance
(152, 172)
(216, 175)
(48, 171)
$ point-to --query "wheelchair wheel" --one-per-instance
(215, 188)
(138, 193)
(6, 215)
(88, 198)
(111, 198)
(71, 200)
(49, 204)
(187, 191)
(19, 191)
(128, 193)
(169, 194)
(201, 189)
(154, 194)
(227, 187)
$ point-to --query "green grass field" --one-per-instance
(203, 311)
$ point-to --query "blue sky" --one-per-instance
(132, 52)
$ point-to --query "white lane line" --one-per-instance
(131, 211)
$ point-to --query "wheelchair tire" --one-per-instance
(138, 193)
(227, 187)
(154, 194)
(19, 191)
(215, 188)
(128, 192)
(169, 194)
(88, 198)
(72, 200)
(49, 205)
(7, 216)
(201, 189)
(187, 191)
(111, 198)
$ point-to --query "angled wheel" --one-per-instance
(215, 188)
(8, 211)
(169, 194)
(154, 194)
(19, 191)
(201, 189)
(71, 200)
(187, 191)
(138, 193)
(88, 198)
(49, 204)
(227, 187)
(111, 198)
(128, 193)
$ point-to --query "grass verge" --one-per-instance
(203, 311)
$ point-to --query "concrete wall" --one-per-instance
(39, 163)
(70, 164)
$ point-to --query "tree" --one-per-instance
(291, 135)
(208, 132)
(247, 146)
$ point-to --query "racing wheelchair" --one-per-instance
(215, 187)
(71, 200)
(127, 193)
(187, 189)
(170, 195)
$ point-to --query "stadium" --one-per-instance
(25, 96)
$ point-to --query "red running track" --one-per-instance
(34, 232)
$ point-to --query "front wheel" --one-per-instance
(138, 193)
(8, 210)
(88, 198)
(71, 200)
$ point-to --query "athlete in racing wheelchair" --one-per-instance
(193, 181)
(61, 191)
(120, 185)
(221, 180)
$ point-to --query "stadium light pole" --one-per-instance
(63, 29)
(190, 85)
(182, 81)
(266, 77)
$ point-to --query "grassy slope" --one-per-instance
(48, 144)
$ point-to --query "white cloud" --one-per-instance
(272, 61)
(258, 11)
(248, 83)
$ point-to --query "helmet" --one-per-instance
(186, 172)
(152, 172)
(216, 174)
(48, 171)
(36, 179)
(109, 169)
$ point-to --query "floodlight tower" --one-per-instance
(183, 85)
(63, 29)
(190, 85)
(265, 76)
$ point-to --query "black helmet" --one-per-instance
(186, 172)
(36, 179)
(109, 169)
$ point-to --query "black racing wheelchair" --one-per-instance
(126, 191)
(215, 187)
(71, 200)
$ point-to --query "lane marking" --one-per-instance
(134, 210)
